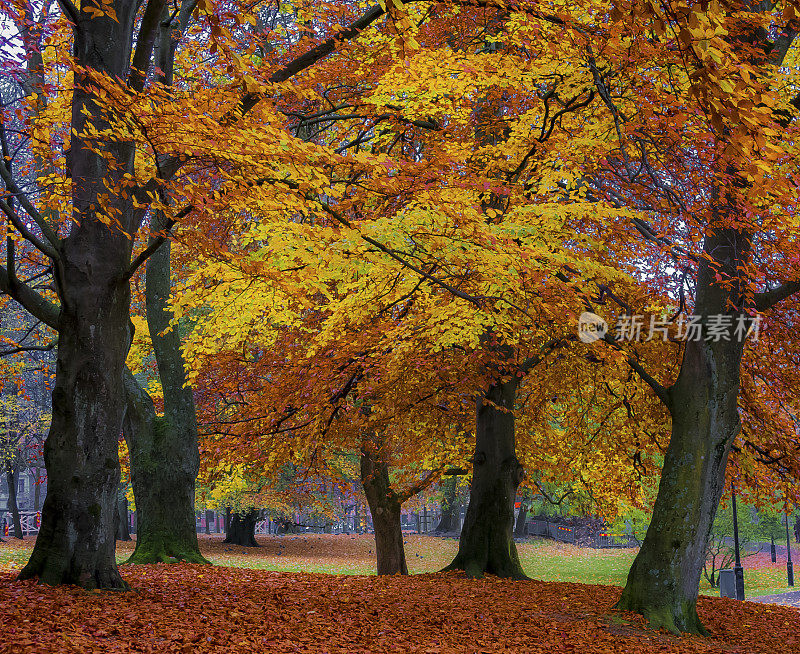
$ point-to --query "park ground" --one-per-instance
(315, 593)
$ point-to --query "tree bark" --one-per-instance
(522, 518)
(447, 522)
(165, 448)
(163, 483)
(664, 579)
(487, 544)
(37, 490)
(242, 529)
(384, 505)
(76, 542)
(13, 506)
(122, 529)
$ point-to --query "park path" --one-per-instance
(791, 598)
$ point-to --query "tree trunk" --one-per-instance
(242, 529)
(385, 508)
(166, 448)
(122, 529)
(76, 542)
(209, 518)
(447, 522)
(163, 483)
(664, 579)
(522, 518)
(37, 490)
(487, 544)
(13, 507)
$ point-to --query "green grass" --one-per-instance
(355, 555)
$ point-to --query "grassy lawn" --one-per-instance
(355, 555)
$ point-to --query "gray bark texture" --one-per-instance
(664, 579)
(76, 542)
(384, 504)
(487, 543)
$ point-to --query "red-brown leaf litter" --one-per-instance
(194, 608)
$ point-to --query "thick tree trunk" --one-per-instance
(13, 506)
(165, 448)
(242, 529)
(664, 579)
(163, 483)
(385, 508)
(76, 541)
(447, 522)
(209, 518)
(487, 544)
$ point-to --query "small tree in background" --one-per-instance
(755, 527)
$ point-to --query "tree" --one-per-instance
(21, 424)
(91, 254)
(720, 552)
(723, 206)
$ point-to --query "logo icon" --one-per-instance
(591, 327)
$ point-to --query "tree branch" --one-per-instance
(34, 303)
(156, 242)
(144, 44)
(546, 349)
(29, 236)
(769, 299)
(30, 348)
(311, 57)
(661, 391)
(421, 485)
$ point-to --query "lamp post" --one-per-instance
(738, 570)
(789, 566)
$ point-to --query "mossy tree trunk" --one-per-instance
(164, 451)
(384, 504)
(487, 542)
(242, 529)
(163, 477)
(664, 579)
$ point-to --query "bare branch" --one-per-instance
(29, 236)
(29, 348)
(34, 303)
(769, 299)
(421, 485)
(156, 243)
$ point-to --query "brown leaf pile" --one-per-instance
(193, 608)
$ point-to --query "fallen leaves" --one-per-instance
(185, 607)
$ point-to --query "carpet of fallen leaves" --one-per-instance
(188, 608)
